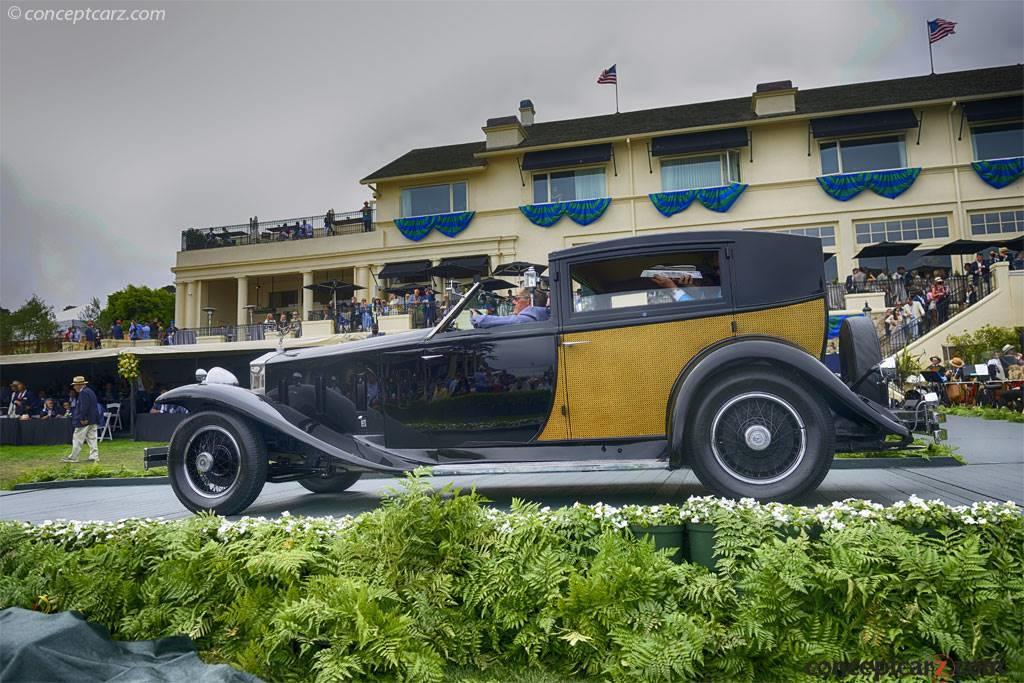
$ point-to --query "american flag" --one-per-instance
(939, 29)
(608, 76)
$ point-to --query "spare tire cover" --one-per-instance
(859, 352)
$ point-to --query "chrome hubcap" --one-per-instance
(204, 461)
(758, 437)
(213, 462)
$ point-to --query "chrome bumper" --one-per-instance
(154, 457)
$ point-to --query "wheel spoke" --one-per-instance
(758, 437)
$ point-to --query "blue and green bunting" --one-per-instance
(999, 172)
(581, 211)
(890, 184)
(718, 199)
(416, 228)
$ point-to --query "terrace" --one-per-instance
(303, 227)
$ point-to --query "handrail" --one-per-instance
(345, 223)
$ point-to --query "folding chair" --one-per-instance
(105, 433)
(115, 409)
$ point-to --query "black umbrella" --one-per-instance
(959, 248)
(335, 286)
(453, 270)
(826, 255)
(1015, 244)
(887, 249)
(404, 289)
(492, 284)
(518, 268)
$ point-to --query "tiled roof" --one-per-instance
(959, 84)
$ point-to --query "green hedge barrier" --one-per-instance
(434, 581)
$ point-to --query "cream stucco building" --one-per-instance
(776, 141)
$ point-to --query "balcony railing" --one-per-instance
(275, 231)
(898, 291)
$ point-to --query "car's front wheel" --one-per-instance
(761, 434)
(216, 463)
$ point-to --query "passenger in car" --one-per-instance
(527, 309)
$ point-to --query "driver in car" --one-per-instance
(527, 310)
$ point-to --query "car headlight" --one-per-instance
(257, 378)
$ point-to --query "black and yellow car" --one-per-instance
(698, 349)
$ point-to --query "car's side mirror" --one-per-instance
(360, 393)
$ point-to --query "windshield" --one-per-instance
(457, 316)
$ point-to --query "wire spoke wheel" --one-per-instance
(212, 463)
(758, 438)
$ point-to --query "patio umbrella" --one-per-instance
(335, 286)
(518, 268)
(887, 249)
(492, 284)
(959, 248)
(1015, 244)
(453, 270)
(826, 255)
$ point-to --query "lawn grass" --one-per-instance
(118, 458)
(985, 413)
(920, 448)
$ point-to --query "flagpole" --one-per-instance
(616, 93)
(931, 59)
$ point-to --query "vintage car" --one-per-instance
(696, 349)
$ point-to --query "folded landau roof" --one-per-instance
(960, 84)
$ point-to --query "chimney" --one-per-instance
(504, 131)
(777, 97)
(526, 112)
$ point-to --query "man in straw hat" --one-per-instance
(85, 420)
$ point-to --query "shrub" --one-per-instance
(978, 346)
(436, 581)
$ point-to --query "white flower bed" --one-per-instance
(914, 513)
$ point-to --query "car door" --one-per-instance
(627, 335)
(472, 389)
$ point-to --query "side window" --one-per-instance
(682, 278)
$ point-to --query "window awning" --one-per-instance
(462, 266)
(994, 110)
(872, 122)
(728, 138)
(569, 156)
(405, 269)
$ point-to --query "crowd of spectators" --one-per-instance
(91, 336)
(18, 401)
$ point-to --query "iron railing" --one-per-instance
(275, 231)
(899, 290)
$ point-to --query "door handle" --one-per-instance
(576, 343)
(432, 356)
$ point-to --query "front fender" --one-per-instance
(779, 354)
(280, 418)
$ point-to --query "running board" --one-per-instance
(547, 467)
(154, 457)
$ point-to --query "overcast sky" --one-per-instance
(116, 136)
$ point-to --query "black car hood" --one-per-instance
(383, 342)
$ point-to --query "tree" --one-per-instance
(137, 303)
(92, 309)
(34, 320)
(978, 346)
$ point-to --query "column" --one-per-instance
(198, 317)
(243, 300)
(362, 278)
(180, 303)
(188, 314)
(307, 294)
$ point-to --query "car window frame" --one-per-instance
(569, 317)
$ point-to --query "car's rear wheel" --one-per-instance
(761, 434)
(338, 482)
(216, 463)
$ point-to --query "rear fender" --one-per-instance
(279, 418)
(703, 370)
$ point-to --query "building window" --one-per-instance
(707, 170)
(1001, 141)
(431, 199)
(826, 233)
(904, 230)
(565, 186)
(863, 154)
(997, 223)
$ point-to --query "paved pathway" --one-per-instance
(994, 451)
